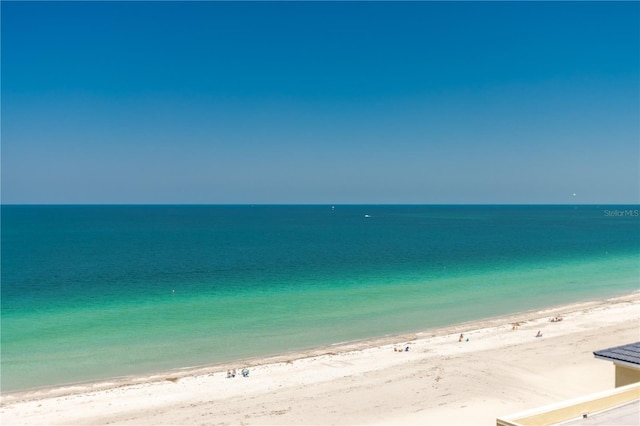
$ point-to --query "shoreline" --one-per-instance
(347, 346)
(335, 368)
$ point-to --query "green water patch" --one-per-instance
(168, 329)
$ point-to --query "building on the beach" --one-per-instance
(626, 359)
(616, 406)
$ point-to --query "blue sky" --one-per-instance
(328, 102)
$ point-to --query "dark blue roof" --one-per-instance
(628, 353)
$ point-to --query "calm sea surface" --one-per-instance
(91, 292)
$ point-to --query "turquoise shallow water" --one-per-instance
(91, 292)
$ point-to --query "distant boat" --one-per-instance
(366, 215)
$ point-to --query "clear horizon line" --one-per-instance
(322, 204)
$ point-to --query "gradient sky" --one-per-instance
(329, 102)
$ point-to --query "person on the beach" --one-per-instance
(461, 337)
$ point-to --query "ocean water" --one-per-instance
(92, 292)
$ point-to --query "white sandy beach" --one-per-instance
(439, 381)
